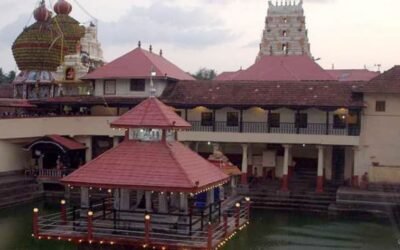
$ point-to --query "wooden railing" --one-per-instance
(140, 229)
(284, 128)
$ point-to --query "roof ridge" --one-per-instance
(172, 152)
(161, 111)
(284, 67)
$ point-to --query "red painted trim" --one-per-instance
(147, 188)
(35, 224)
(320, 184)
(243, 179)
(63, 214)
(90, 228)
(209, 237)
(285, 183)
(355, 181)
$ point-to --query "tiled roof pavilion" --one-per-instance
(150, 166)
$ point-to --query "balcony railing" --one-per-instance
(284, 128)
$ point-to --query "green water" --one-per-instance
(268, 230)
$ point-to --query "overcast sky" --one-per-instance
(224, 34)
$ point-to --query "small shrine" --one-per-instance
(149, 191)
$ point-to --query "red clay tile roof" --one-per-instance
(263, 94)
(148, 166)
(64, 142)
(89, 100)
(352, 75)
(386, 83)
(150, 113)
(137, 64)
(228, 76)
(284, 68)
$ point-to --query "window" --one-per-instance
(301, 120)
(232, 119)
(380, 106)
(138, 85)
(274, 120)
(110, 87)
(284, 33)
(207, 119)
(285, 20)
(339, 121)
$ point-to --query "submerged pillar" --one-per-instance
(320, 173)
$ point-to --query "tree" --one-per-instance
(11, 76)
(7, 78)
(205, 74)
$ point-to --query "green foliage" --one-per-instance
(205, 74)
(6, 78)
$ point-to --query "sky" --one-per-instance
(224, 34)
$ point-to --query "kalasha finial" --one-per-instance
(161, 52)
(62, 7)
(41, 13)
(139, 44)
(151, 48)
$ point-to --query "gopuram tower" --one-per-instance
(285, 30)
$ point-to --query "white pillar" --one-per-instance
(88, 153)
(244, 158)
(125, 199)
(115, 141)
(148, 200)
(234, 185)
(183, 202)
(286, 162)
(162, 203)
(286, 159)
(85, 197)
(196, 147)
(117, 199)
(210, 196)
(320, 172)
(320, 160)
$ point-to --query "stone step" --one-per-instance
(294, 201)
(32, 187)
(308, 210)
(306, 195)
(13, 182)
(291, 207)
(20, 199)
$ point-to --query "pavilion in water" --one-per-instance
(155, 192)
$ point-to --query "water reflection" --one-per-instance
(268, 230)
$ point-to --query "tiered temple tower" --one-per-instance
(285, 30)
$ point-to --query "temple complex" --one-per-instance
(142, 154)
